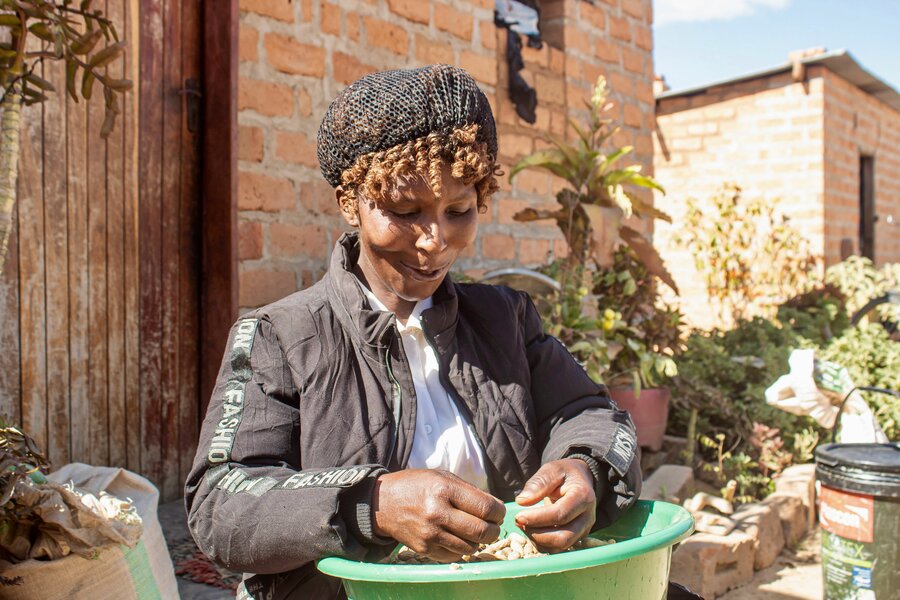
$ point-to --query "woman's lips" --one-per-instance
(424, 274)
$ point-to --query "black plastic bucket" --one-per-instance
(859, 520)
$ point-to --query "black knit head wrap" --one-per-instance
(388, 108)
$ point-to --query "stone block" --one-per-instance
(669, 481)
(791, 513)
(712, 564)
(761, 522)
(800, 480)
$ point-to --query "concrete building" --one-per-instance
(819, 136)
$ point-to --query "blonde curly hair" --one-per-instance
(374, 174)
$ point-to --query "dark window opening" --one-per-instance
(867, 206)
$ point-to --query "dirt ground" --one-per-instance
(795, 575)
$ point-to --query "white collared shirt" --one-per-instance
(444, 438)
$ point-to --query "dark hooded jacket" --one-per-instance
(315, 399)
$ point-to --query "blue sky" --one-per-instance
(701, 41)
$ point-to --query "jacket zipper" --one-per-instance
(396, 403)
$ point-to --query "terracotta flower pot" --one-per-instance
(649, 412)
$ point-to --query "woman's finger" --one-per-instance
(545, 482)
(561, 538)
(471, 528)
(477, 503)
(565, 510)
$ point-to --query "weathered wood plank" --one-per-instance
(115, 256)
(131, 129)
(151, 149)
(10, 397)
(97, 289)
(172, 365)
(31, 279)
(57, 264)
(79, 283)
(219, 188)
(189, 251)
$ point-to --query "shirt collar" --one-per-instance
(415, 318)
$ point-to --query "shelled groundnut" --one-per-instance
(514, 547)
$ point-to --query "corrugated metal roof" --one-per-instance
(840, 62)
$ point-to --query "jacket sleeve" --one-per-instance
(250, 506)
(576, 417)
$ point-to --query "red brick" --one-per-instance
(266, 98)
(576, 39)
(532, 182)
(385, 35)
(304, 103)
(429, 51)
(550, 89)
(619, 28)
(318, 198)
(513, 144)
(296, 148)
(500, 246)
(643, 37)
(306, 10)
(622, 85)
(482, 68)
(595, 15)
(635, 8)
(250, 240)
(289, 241)
(290, 56)
(277, 9)
(552, 9)
(557, 60)
(537, 57)
(488, 33)
(633, 60)
(347, 69)
(606, 52)
(250, 143)
(533, 252)
(455, 22)
(330, 16)
(633, 116)
(353, 26)
(262, 192)
(259, 287)
(417, 11)
(509, 207)
(248, 43)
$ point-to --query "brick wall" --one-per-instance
(858, 124)
(296, 56)
(766, 135)
(797, 144)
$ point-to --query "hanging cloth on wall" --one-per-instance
(519, 18)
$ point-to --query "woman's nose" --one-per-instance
(431, 238)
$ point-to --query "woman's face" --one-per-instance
(410, 242)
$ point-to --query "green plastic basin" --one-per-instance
(636, 567)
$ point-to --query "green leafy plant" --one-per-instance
(601, 193)
(751, 259)
(35, 31)
(860, 281)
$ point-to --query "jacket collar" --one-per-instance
(375, 327)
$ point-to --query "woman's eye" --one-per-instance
(459, 213)
(403, 215)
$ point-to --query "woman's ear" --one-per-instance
(351, 217)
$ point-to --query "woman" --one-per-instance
(386, 403)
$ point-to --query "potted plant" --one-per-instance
(607, 309)
(644, 336)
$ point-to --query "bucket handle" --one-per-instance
(861, 388)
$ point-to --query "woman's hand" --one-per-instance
(570, 486)
(435, 513)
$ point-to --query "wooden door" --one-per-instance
(101, 343)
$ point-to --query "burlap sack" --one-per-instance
(144, 572)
